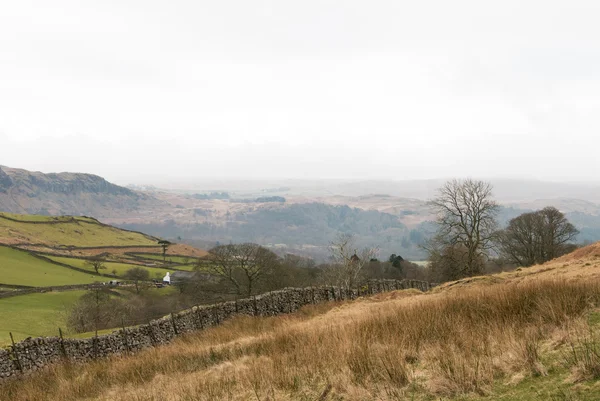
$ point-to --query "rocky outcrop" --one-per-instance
(23, 191)
(5, 181)
(62, 183)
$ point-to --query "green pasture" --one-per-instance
(119, 268)
(21, 268)
(79, 233)
(35, 315)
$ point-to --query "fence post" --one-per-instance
(15, 353)
(174, 325)
(62, 344)
(125, 336)
(96, 345)
(151, 334)
(217, 318)
(198, 317)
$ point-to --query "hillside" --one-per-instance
(307, 224)
(66, 231)
(23, 191)
(303, 228)
(38, 253)
(24, 269)
(290, 217)
(532, 334)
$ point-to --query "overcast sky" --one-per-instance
(153, 91)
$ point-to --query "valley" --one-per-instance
(299, 200)
(287, 216)
(46, 266)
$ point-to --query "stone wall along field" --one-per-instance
(32, 354)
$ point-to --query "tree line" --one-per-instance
(229, 272)
(468, 239)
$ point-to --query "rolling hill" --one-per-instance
(300, 217)
(28, 192)
(45, 266)
(66, 231)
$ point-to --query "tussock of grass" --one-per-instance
(583, 358)
(393, 347)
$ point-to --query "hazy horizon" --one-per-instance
(174, 182)
(149, 92)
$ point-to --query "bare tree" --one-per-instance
(348, 262)
(443, 263)
(537, 237)
(242, 265)
(466, 223)
(136, 275)
(95, 310)
(222, 262)
(97, 264)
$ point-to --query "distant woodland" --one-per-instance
(308, 227)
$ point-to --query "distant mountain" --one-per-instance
(23, 191)
(300, 217)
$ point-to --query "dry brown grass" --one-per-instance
(443, 344)
(458, 340)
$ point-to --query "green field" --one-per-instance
(21, 268)
(120, 268)
(82, 232)
(35, 315)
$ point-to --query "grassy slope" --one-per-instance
(513, 336)
(41, 314)
(82, 232)
(35, 315)
(120, 268)
(21, 268)
(45, 313)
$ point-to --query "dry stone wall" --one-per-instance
(32, 354)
